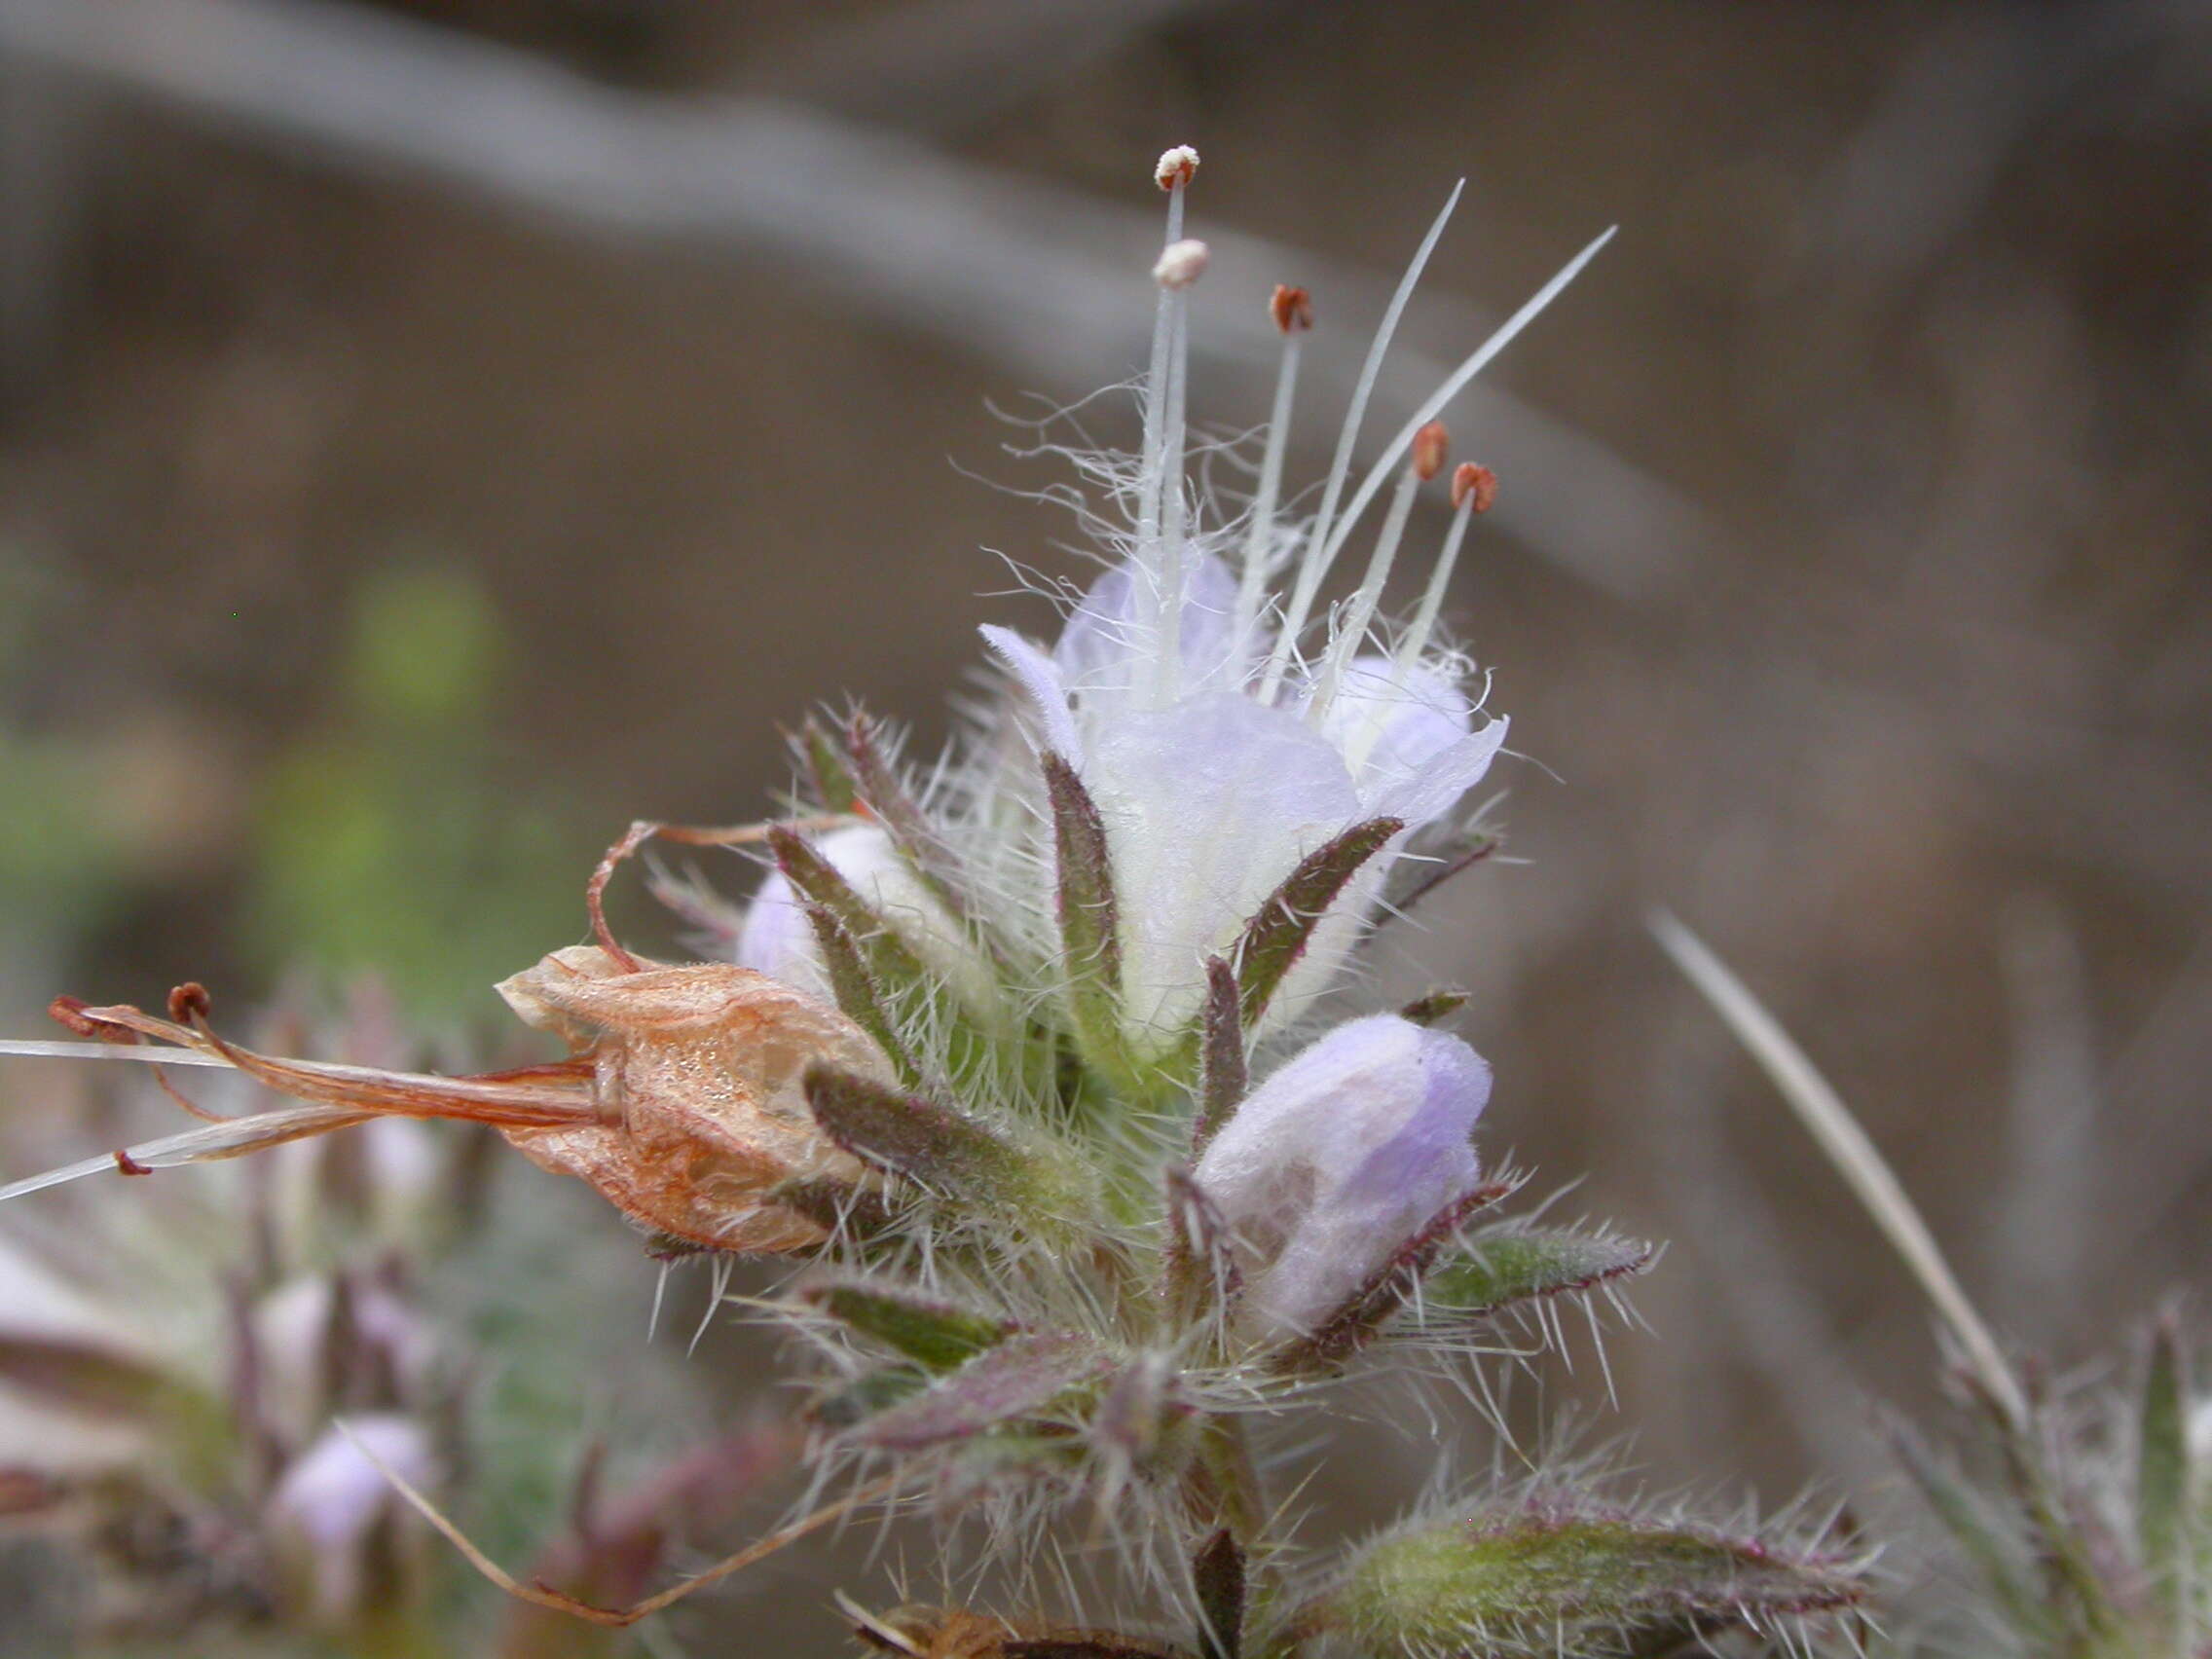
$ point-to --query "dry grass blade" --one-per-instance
(1856, 1158)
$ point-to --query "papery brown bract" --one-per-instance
(699, 1069)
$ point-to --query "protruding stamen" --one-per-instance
(1320, 544)
(1173, 175)
(1180, 263)
(1431, 445)
(1427, 462)
(1453, 383)
(1293, 311)
(1473, 488)
(1474, 485)
(1176, 167)
(1185, 261)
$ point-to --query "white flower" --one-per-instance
(1339, 1158)
(1223, 727)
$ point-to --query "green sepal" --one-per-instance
(1224, 1068)
(856, 992)
(1433, 1009)
(1021, 1377)
(829, 768)
(1563, 1575)
(1276, 936)
(945, 1151)
(2165, 1480)
(1513, 1264)
(936, 1334)
(1089, 915)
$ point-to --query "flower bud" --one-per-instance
(1334, 1161)
(703, 1065)
(779, 940)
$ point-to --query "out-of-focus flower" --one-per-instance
(1354, 1146)
(334, 1507)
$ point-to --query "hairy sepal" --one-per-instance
(946, 1152)
(1500, 1269)
(1090, 917)
(1021, 1378)
(1555, 1576)
(936, 1334)
(2165, 1482)
(1361, 1317)
(882, 794)
(1279, 933)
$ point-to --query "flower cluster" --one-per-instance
(1048, 1063)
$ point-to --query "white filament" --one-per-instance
(1360, 612)
(1259, 541)
(1311, 568)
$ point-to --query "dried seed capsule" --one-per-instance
(698, 1071)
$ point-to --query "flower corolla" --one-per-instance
(1348, 1149)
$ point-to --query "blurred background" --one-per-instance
(434, 435)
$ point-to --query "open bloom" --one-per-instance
(1354, 1146)
(1225, 726)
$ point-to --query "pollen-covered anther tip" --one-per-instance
(1177, 166)
(1181, 264)
(190, 1002)
(1474, 486)
(1292, 308)
(1431, 444)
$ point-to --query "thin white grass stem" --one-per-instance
(1855, 1156)
(1315, 563)
(1453, 383)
